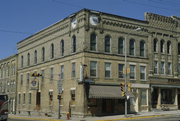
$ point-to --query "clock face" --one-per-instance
(94, 20)
(74, 23)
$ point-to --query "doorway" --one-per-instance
(38, 100)
(108, 106)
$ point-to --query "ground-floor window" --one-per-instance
(143, 96)
(167, 96)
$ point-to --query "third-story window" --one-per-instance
(132, 72)
(22, 61)
(121, 45)
(142, 48)
(132, 47)
(35, 57)
(74, 43)
(155, 67)
(62, 72)
(62, 47)
(143, 72)
(93, 67)
(73, 73)
(169, 47)
(169, 70)
(107, 44)
(93, 42)
(43, 54)
(178, 48)
(162, 68)
(155, 45)
(107, 69)
(21, 79)
(162, 46)
(52, 51)
(120, 68)
(28, 59)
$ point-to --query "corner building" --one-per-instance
(86, 53)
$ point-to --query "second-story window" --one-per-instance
(142, 48)
(21, 79)
(155, 45)
(28, 59)
(107, 70)
(169, 68)
(143, 72)
(132, 72)
(73, 73)
(22, 61)
(74, 43)
(43, 54)
(28, 78)
(162, 68)
(93, 68)
(52, 51)
(52, 74)
(155, 67)
(107, 44)
(43, 75)
(179, 69)
(62, 72)
(62, 47)
(35, 57)
(132, 47)
(178, 48)
(120, 68)
(93, 38)
(121, 45)
(162, 46)
(169, 47)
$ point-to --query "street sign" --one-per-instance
(34, 84)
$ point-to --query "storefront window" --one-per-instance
(167, 96)
(143, 97)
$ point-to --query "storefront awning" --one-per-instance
(106, 92)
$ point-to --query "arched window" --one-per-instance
(43, 54)
(132, 47)
(52, 50)
(93, 38)
(73, 43)
(169, 47)
(121, 45)
(107, 43)
(35, 57)
(22, 61)
(162, 46)
(155, 45)
(179, 48)
(142, 48)
(62, 47)
(28, 59)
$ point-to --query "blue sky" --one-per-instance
(22, 18)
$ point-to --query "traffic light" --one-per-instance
(36, 75)
(123, 93)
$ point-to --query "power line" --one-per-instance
(15, 32)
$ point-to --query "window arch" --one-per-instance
(52, 50)
(107, 43)
(142, 48)
(43, 54)
(93, 39)
(62, 47)
(35, 57)
(28, 59)
(169, 47)
(73, 43)
(121, 45)
(132, 47)
(162, 46)
(155, 45)
(179, 48)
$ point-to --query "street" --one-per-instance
(163, 118)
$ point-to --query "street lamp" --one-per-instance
(125, 83)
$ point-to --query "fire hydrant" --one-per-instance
(68, 115)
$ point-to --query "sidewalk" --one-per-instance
(140, 115)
